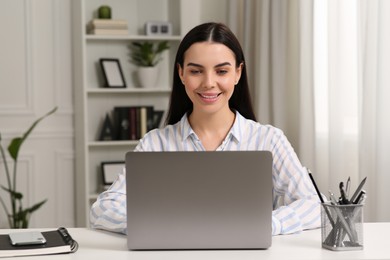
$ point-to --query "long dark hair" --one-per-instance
(215, 32)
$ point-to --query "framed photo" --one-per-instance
(158, 28)
(112, 73)
(110, 171)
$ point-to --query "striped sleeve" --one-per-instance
(109, 210)
(296, 204)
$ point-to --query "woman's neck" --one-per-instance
(212, 128)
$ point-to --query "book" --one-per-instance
(122, 123)
(133, 122)
(107, 27)
(108, 23)
(109, 32)
(57, 242)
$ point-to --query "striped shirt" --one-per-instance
(295, 202)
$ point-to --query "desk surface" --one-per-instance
(96, 245)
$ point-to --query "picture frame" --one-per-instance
(110, 171)
(158, 28)
(112, 72)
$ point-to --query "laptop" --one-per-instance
(199, 200)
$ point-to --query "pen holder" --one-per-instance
(342, 226)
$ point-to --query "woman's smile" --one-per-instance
(209, 97)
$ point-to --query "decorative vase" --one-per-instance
(148, 76)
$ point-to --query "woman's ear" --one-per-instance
(238, 72)
(180, 72)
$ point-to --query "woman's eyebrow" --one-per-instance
(223, 64)
(194, 65)
(216, 66)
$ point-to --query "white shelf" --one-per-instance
(112, 143)
(91, 37)
(128, 90)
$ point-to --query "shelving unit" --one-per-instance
(93, 102)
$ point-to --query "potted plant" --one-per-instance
(146, 55)
(18, 217)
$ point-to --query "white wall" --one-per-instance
(35, 76)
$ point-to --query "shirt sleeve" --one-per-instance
(109, 210)
(296, 203)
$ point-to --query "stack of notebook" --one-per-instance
(107, 27)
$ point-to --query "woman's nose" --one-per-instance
(209, 80)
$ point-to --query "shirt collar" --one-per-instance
(235, 131)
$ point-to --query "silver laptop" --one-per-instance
(199, 200)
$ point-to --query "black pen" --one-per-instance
(321, 199)
(358, 189)
(315, 186)
(343, 196)
(360, 197)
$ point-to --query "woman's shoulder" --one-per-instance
(252, 125)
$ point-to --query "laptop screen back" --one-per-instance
(199, 200)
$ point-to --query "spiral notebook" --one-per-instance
(57, 242)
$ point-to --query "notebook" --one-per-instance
(58, 241)
(199, 200)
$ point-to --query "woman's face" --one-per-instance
(209, 74)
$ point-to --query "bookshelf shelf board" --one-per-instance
(128, 90)
(91, 37)
(112, 143)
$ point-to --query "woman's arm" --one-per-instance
(109, 210)
(296, 204)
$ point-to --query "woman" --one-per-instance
(210, 110)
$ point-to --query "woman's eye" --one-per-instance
(222, 72)
(195, 72)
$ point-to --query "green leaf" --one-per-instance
(35, 207)
(17, 142)
(14, 194)
(147, 54)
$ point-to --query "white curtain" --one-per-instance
(374, 105)
(319, 70)
(277, 40)
(352, 92)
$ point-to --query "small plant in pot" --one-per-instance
(146, 55)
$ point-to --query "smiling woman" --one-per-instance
(210, 110)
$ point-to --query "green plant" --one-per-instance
(147, 54)
(18, 217)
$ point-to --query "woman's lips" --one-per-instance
(209, 97)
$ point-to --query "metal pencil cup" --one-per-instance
(342, 226)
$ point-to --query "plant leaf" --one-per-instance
(35, 207)
(17, 142)
(147, 54)
(14, 194)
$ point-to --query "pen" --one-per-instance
(343, 197)
(332, 198)
(348, 186)
(358, 189)
(315, 187)
(360, 197)
(321, 199)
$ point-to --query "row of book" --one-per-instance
(107, 27)
(133, 122)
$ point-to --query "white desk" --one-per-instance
(97, 245)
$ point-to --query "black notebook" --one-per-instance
(57, 242)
